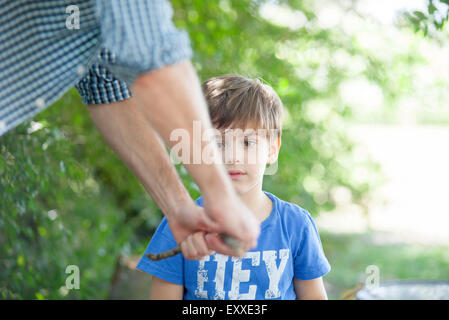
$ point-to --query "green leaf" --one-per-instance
(39, 296)
(420, 15)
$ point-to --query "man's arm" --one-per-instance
(135, 142)
(310, 289)
(164, 290)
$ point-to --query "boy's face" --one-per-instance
(245, 154)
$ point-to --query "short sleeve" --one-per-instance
(170, 269)
(99, 85)
(310, 261)
(142, 35)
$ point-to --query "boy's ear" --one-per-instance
(273, 153)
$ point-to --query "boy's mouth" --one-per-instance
(236, 174)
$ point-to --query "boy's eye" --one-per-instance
(220, 144)
(249, 143)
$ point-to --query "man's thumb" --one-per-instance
(207, 224)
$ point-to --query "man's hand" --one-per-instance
(188, 219)
(234, 219)
(194, 247)
(196, 244)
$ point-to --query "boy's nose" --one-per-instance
(234, 154)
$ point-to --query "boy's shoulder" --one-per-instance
(163, 230)
(290, 212)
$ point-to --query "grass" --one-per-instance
(350, 255)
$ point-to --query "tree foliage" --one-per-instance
(430, 21)
(67, 199)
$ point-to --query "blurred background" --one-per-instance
(365, 150)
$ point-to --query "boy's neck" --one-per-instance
(258, 202)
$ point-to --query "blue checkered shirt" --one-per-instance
(98, 46)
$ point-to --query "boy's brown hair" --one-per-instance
(236, 102)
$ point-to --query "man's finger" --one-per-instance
(214, 242)
(188, 251)
(200, 244)
(207, 224)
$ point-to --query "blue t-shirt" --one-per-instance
(288, 247)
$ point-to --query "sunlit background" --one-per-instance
(409, 139)
(365, 150)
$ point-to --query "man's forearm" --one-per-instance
(136, 143)
(171, 98)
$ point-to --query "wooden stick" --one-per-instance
(163, 255)
(235, 245)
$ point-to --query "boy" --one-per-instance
(288, 261)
